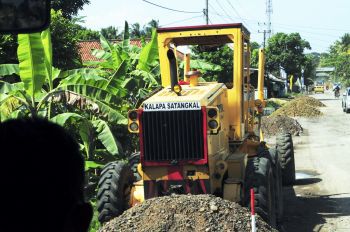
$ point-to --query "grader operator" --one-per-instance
(200, 137)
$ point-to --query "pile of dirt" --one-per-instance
(185, 213)
(301, 106)
(273, 125)
(310, 101)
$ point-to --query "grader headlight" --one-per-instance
(213, 119)
(133, 121)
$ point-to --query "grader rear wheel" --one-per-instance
(259, 176)
(114, 190)
(285, 151)
(278, 183)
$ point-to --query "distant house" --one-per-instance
(86, 47)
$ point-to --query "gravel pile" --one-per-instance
(310, 101)
(185, 213)
(301, 106)
(273, 125)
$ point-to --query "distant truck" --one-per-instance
(346, 100)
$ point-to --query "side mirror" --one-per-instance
(24, 16)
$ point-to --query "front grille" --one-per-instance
(172, 135)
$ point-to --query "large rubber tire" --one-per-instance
(285, 151)
(278, 184)
(259, 176)
(272, 155)
(114, 189)
(134, 160)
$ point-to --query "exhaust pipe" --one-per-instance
(173, 68)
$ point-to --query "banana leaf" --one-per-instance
(126, 37)
(47, 45)
(31, 58)
(120, 73)
(85, 98)
(83, 125)
(92, 165)
(82, 71)
(148, 54)
(108, 47)
(106, 137)
(8, 69)
(6, 88)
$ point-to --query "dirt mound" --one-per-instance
(299, 107)
(310, 101)
(273, 125)
(185, 213)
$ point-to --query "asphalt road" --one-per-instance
(320, 200)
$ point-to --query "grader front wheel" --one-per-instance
(114, 190)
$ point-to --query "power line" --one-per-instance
(224, 10)
(234, 9)
(179, 21)
(216, 13)
(181, 11)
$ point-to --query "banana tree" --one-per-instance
(82, 90)
(133, 68)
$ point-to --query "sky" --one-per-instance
(320, 22)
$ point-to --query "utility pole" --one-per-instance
(206, 12)
(265, 32)
(268, 15)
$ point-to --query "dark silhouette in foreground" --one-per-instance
(42, 178)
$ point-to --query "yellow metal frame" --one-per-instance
(238, 36)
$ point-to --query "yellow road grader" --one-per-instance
(201, 137)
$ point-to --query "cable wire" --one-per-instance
(181, 11)
(234, 9)
(183, 20)
(224, 10)
(216, 13)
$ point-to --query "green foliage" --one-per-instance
(153, 24)
(339, 57)
(8, 48)
(219, 56)
(110, 33)
(8, 69)
(64, 41)
(84, 33)
(286, 50)
(95, 224)
(131, 68)
(32, 69)
(68, 8)
(90, 102)
(148, 54)
(65, 35)
(136, 31)
(311, 63)
(254, 50)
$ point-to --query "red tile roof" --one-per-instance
(86, 47)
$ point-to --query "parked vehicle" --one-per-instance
(346, 100)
